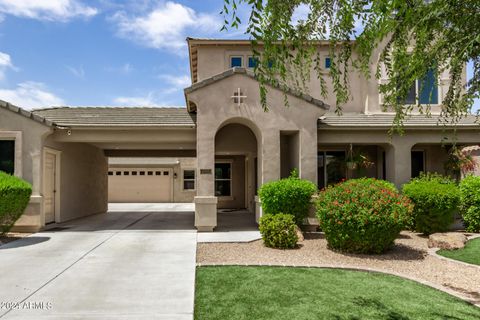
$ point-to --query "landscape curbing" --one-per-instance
(352, 268)
(433, 252)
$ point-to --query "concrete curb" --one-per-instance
(353, 268)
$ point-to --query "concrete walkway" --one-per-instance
(121, 265)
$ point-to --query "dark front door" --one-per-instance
(418, 163)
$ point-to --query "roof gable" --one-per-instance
(250, 74)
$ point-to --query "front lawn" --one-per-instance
(469, 254)
(234, 292)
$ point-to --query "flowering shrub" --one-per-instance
(278, 231)
(291, 196)
(362, 215)
(436, 198)
(470, 202)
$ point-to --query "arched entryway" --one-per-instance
(236, 175)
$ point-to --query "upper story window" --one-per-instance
(328, 62)
(425, 89)
(7, 156)
(236, 61)
(252, 62)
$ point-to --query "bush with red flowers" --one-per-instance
(362, 215)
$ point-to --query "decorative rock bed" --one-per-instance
(409, 257)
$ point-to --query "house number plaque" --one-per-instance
(205, 171)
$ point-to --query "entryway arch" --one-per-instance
(237, 164)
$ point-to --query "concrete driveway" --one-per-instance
(130, 263)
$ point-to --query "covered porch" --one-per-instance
(423, 147)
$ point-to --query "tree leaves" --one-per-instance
(403, 40)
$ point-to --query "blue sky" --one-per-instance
(101, 52)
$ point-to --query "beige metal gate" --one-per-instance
(140, 185)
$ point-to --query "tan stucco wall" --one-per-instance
(31, 134)
(215, 109)
(364, 93)
(180, 195)
(83, 179)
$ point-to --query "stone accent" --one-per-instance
(449, 240)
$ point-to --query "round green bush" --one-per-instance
(14, 197)
(436, 199)
(470, 202)
(362, 215)
(278, 231)
(290, 196)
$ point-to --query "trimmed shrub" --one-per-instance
(278, 231)
(362, 215)
(290, 196)
(14, 197)
(470, 202)
(435, 198)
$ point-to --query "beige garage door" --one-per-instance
(140, 185)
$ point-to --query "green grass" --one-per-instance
(278, 293)
(469, 254)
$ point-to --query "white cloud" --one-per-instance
(166, 26)
(31, 95)
(77, 72)
(138, 101)
(5, 63)
(125, 69)
(50, 10)
(300, 13)
(180, 82)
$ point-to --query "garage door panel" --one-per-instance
(140, 185)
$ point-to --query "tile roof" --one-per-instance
(249, 73)
(385, 120)
(118, 117)
(25, 113)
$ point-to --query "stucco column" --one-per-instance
(270, 156)
(308, 154)
(398, 163)
(205, 200)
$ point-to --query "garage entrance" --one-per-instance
(140, 185)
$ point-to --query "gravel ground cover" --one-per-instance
(408, 257)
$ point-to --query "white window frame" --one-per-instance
(16, 136)
(230, 162)
(194, 179)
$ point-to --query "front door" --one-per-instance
(418, 163)
(49, 187)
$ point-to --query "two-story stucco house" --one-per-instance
(218, 150)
